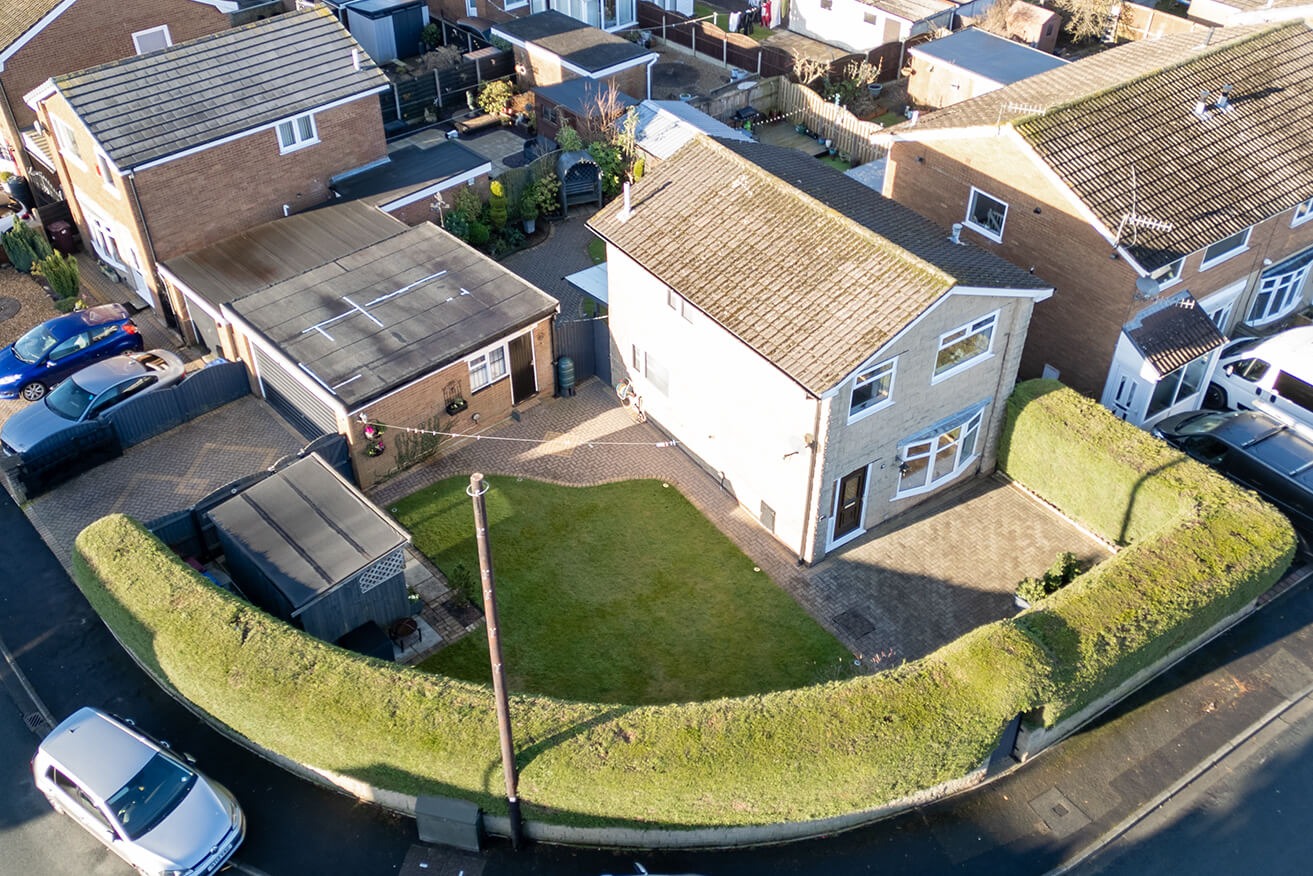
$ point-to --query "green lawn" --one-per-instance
(620, 593)
(597, 250)
(702, 10)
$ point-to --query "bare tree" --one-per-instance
(601, 114)
(1086, 20)
(997, 19)
(808, 70)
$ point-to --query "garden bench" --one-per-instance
(470, 124)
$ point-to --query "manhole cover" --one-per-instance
(854, 623)
(1060, 814)
(35, 722)
(673, 74)
(9, 307)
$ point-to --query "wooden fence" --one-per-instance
(703, 37)
(829, 121)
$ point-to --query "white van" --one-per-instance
(1273, 375)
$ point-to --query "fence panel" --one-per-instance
(145, 416)
(62, 457)
(156, 412)
(211, 387)
(576, 338)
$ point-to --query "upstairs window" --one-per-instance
(962, 347)
(152, 40)
(297, 133)
(1169, 274)
(1226, 248)
(986, 214)
(106, 171)
(1303, 213)
(68, 143)
(872, 389)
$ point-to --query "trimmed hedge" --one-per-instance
(1203, 548)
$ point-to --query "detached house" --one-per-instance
(165, 152)
(832, 357)
(43, 38)
(1164, 188)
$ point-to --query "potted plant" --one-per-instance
(456, 405)
(375, 448)
(529, 210)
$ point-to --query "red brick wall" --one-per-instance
(202, 198)
(422, 210)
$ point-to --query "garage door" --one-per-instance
(307, 413)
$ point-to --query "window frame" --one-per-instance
(985, 230)
(1285, 290)
(1243, 246)
(657, 374)
(1170, 273)
(1176, 379)
(163, 28)
(988, 322)
(67, 140)
(970, 432)
(677, 303)
(298, 141)
(483, 360)
(887, 368)
(106, 172)
(1302, 213)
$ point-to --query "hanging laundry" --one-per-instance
(734, 22)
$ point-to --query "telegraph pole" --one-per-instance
(476, 490)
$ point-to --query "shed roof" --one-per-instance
(911, 10)
(823, 274)
(570, 39)
(148, 107)
(308, 529)
(666, 125)
(411, 169)
(374, 318)
(580, 96)
(991, 57)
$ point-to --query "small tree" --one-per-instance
(1086, 20)
(61, 272)
(495, 96)
(568, 139)
(497, 204)
(24, 245)
(547, 192)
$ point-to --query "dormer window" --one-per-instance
(1303, 213)
(1226, 248)
(297, 133)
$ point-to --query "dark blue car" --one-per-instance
(55, 349)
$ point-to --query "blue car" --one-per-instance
(55, 349)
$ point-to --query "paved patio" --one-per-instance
(896, 594)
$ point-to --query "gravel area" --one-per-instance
(34, 305)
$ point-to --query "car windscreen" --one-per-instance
(35, 344)
(1240, 346)
(69, 399)
(150, 795)
(1202, 424)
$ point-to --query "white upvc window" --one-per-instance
(1169, 274)
(487, 367)
(926, 463)
(106, 171)
(986, 214)
(1303, 213)
(1178, 386)
(1280, 290)
(657, 374)
(965, 346)
(872, 390)
(68, 143)
(1226, 248)
(297, 133)
(152, 40)
(677, 303)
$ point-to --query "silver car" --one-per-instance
(88, 394)
(134, 795)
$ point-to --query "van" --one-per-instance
(1273, 375)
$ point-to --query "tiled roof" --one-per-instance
(1255, 5)
(1129, 142)
(152, 106)
(581, 44)
(911, 10)
(1173, 332)
(791, 274)
(19, 16)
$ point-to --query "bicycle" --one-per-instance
(631, 400)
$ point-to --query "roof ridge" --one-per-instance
(829, 213)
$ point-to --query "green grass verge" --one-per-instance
(597, 250)
(620, 593)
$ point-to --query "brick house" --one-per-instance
(830, 356)
(346, 315)
(551, 47)
(271, 114)
(1164, 188)
(44, 38)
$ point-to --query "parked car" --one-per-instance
(146, 804)
(1273, 375)
(1255, 451)
(88, 394)
(47, 354)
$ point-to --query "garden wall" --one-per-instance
(1204, 548)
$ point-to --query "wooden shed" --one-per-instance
(308, 547)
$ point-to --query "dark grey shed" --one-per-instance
(581, 179)
(308, 547)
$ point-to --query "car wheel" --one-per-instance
(34, 391)
(1215, 398)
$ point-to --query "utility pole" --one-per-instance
(476, 490)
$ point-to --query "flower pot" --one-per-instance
(530, 225)
(455, 406)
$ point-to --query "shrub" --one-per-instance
(1064, 569)
(61, 272)
(612, 164)
(529, 204)
(547, 191)
(568, 139)
(466, 202)
(479, 233)
(457, 224)
(495, 97)
(497, 205)
(25, 246)
(431, 35)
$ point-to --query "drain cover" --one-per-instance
(9, 307)
(854, 623)
(35, 722)
(1060, 814)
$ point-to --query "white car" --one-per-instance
(147, 805)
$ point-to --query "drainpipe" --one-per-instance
(649, 77)
(805, 551)
(140, 217)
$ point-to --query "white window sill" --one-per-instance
(297, 147)
(960, 367)
(1225, 258)
(866, 412)
(996, 236)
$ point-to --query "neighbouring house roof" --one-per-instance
(580, 44)
(1119, 129)
(308, 529)
(911, 10)
(373, 318)
(1173, 333)
(580, 96)
(809, 268)
(153, 106)
(1256, 5)
(20, 16)
(666, 125)
(991, 57)
(411, 170)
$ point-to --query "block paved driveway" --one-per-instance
(896, 594)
